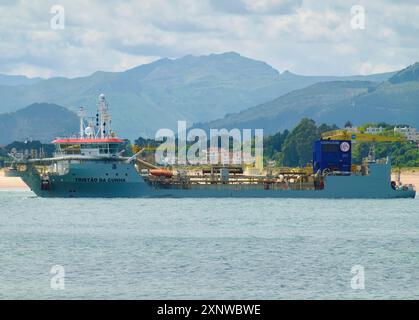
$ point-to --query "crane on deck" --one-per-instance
(362, 137)
(359, 136)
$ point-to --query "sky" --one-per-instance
(310, 37)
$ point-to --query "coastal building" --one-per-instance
(222, 156)
(352, 129)
(374, 130)
(410, 133)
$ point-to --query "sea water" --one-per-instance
(207, 248)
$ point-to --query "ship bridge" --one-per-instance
(89, 147)
(96, 138)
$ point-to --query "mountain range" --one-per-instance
(196, 89)
(395, 100)
(15, 80)
(39, 121)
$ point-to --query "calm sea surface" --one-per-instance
(208, 248)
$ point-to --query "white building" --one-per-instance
(352, 129)
(374, 130)
(410, 133)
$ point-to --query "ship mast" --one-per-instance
(102, 117)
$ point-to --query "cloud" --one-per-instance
(272, 6)
(31, 71)
(256, 6)
(306, 37)
(369, 68)
(229, 6)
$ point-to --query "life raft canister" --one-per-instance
(161, 173)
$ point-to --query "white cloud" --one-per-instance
(270, 6)
(28, 70)
(307, 37)
(369, 68)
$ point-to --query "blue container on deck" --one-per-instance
(334, 155)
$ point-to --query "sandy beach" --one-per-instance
(11, 183)
(408, 176)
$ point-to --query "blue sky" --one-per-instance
(304, 36)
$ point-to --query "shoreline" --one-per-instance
(407, 176)
(12, 183)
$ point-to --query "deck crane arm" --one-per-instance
(357, 136)
(362, 137)
(136, 158)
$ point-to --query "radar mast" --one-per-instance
(103, 118)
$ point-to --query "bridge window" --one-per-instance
(69, 148)
(114, 148)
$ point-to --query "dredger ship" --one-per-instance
(92, 165)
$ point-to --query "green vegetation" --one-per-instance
(401, 154)
(272, 145)
(295, 148)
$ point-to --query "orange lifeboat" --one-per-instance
(161, 173)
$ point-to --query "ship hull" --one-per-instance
(110, 181)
